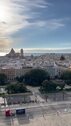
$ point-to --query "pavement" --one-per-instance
(40, 114)
(58, 119)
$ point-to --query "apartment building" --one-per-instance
(12, 73)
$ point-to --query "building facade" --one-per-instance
(13, 54)
(12, 73)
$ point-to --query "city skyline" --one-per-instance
(38, 26)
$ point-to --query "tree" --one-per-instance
(3, 79)
(66, 76)
(35, 77)
(16, 88)
(20, 79)
(48, 86)
(51, 86)
(59, 83)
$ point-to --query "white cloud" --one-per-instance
(4, 44)
(52, 24)
(55, 24)
(29, 4)
(14, 15)
(45, 50)
(17, 13)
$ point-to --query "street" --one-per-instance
(41, 111)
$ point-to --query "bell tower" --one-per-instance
(21, 53)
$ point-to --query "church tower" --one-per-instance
(21, 53)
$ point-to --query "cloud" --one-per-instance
(4, 44)
(48, 50)
(45, 50)
(30, 4)
(16, 14)
(55, 24)
(52, 24)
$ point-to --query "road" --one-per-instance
(41, 110)
(38, 113)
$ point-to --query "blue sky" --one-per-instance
(36, 25)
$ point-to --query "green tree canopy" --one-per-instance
(48, 86)
(16, 88)
(20, 79)
(59, 83)
(3, 79)
(66, 76)
(51, 86)
(35, 77)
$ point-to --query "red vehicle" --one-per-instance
(7, 113)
